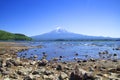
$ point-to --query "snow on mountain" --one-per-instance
(62, 34)
(59, 30)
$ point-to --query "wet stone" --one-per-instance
(79, 61)
(84, 61)
(59, 67)
(42, 62)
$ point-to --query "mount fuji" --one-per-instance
(62, 34)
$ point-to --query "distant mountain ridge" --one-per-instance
(4, 35)
(62, 34)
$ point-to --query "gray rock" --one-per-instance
(1, 70)
(2, 52)
(117, 48)
(1, 62)
(42, 62)
(101, 68)
(49, 77)
(35, 56)
(11, 62)
(118, 68)
(32, 62)
(118, 75)
(66, 68)
(55, 59)
(98, 78)
(91, 69)
(88, 76)
(48, 72)
(79, 61)
(80, 74)
(5, 72)
(52, 77)
(7, 79)
(24, 71)
(93, 60)
(75, 76)
(27, 78)
(45, 77)
(42, 70)
(35, 72)
(14, 62)
(39, 71)
(84, 61)
(14, 76)
(21, 73)
(59, 67)
(8, 64)
(63, 76)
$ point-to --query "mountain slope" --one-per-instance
(62, 34)
(4, 35)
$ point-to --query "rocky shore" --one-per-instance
(15, 68)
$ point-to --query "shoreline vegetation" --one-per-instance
(7, 36)
(16, 68)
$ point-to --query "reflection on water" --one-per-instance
(70, 50)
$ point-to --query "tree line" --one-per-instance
(4, 35)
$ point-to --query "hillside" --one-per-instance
(4, 35)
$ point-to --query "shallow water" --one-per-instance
(68, 49)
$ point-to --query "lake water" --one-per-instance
(68, 49)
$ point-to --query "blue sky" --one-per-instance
(34, 17)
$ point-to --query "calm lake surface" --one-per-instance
(68, 49)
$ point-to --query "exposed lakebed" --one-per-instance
(70, 50)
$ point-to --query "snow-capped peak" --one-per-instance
(59, 30)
